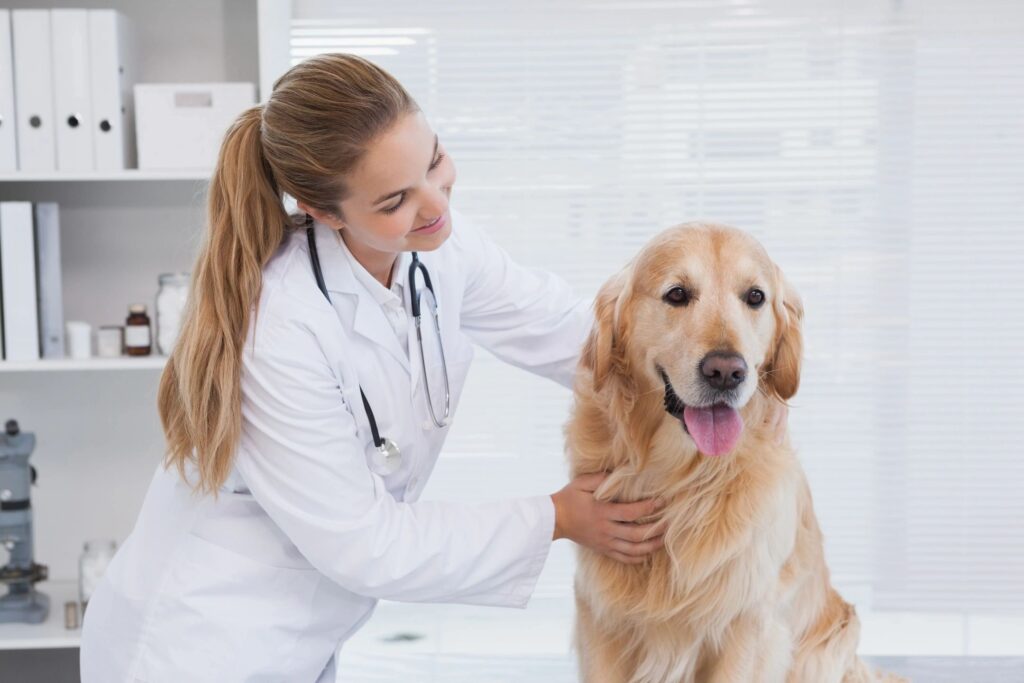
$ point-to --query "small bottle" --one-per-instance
(71, 620)
(137, 338)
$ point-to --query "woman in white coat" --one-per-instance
(280, 525)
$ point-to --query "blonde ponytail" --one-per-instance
(319, 120)
(199, 395)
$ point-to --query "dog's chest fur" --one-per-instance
(731, 530)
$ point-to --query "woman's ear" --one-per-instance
(604, 351)
(782, 371)
(322, 217)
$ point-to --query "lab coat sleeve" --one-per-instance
(303, 462)
(527, 317)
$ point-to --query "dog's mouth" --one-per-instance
(714, 428)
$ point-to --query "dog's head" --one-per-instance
(701, 318)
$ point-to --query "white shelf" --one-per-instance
(51, 633)
(88, 364)
(131, 174)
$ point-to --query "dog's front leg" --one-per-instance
(755, 648)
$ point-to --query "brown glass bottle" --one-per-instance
(138, 340)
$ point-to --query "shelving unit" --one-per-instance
(87, 364)
(132, 174)
(98, 433)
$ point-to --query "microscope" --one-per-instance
(22, 602)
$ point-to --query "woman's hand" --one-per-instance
(607, 528)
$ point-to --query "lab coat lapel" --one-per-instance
(355, 304)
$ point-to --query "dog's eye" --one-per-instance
(755, 297)
(677, 296)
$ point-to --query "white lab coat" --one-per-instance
(264, 583)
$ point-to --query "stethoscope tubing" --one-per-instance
(382, 444)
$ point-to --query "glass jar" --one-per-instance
(93, 561)
(170, 306)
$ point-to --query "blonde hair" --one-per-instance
(312, 130)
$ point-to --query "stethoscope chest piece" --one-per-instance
(386, 457)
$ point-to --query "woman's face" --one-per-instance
(402, 183)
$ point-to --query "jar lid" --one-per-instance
(99, 544)
(177, 278)
(111, 327)
(137, 308)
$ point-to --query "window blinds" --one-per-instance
(874, 147)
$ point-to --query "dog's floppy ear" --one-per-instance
(604, 351)
(782, 371)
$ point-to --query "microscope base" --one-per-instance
(27, 607)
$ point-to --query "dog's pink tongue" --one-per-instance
(716, 429)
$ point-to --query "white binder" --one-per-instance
(112, 65)
(72, 99)
(8, 138)
(48, 278)
(33, 89)
(18, 271)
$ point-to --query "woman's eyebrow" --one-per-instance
(398, 192)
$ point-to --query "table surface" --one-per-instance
(463, 644)
(426, 668)
(460, 644)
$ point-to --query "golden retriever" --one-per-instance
(692, 342)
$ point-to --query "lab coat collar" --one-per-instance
(367, 315)
(381, 294)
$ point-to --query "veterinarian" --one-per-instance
(304, 408)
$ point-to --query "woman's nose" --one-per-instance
(436, 205)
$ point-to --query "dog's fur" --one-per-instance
(741, 591)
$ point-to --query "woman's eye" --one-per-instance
(396, 206)
(392, 209)
(755, 297)
(677, 296)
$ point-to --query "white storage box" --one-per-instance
(181, 125)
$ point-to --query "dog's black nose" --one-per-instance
(723, 371)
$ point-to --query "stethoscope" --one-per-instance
(386, 454)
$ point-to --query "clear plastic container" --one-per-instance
(170, 305)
